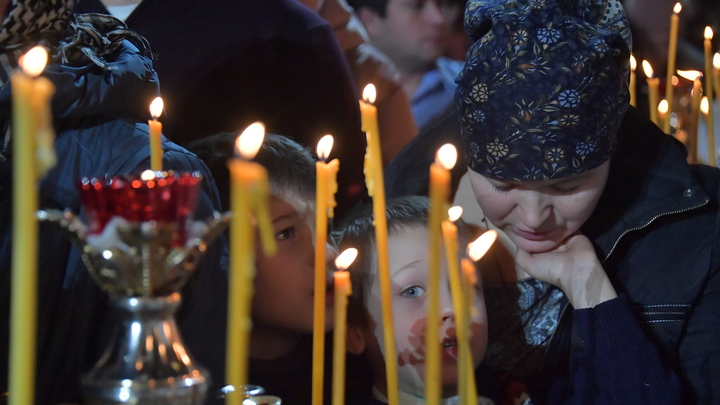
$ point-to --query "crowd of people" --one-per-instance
(604, 287)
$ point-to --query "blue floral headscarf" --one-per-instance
(544, 87)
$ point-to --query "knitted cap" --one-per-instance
(544, 87)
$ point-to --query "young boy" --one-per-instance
(282, 306)
(407, 248)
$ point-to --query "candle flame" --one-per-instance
(678, 8)
(249, 142)
(704, 105)
(633, 62)
(454, 213)
(369, 93)
(34, 61)
(690, 74)
(708, 32)
(663, 107)
(147, 175)
(447, 156)
(480, 246)
(647, 68)
(346, 258)
(324, 147)
(156, 107)
(716, 60)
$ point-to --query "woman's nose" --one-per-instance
(533, 210)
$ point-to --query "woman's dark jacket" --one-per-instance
(656, 230)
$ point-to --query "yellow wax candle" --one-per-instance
(247, 181)
(343, 288)
(633, 85)
(449, 232)
(662, 110)
(695, 76)
(468, 284)
(156, 109)
(705, 109)
(439, 193)
(376, 189)
(29, 93)
(476, 250)
(325, 189)
(672, 52)
(709, 92)
(716, 73)
(653, 84)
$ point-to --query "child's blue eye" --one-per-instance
(287, 233)
(413, 291)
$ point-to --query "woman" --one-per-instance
(614, 285)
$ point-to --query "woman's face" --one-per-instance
(538, 215)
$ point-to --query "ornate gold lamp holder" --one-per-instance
(141, 246)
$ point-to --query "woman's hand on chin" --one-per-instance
(573, 267)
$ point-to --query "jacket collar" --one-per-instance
(649, 178)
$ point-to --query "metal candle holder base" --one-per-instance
(143, 266)
(146, 362)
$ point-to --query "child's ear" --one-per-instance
(355, 340)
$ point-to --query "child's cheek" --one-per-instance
(411, 343)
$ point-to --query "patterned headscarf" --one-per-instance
(544, 87)
(28, 23)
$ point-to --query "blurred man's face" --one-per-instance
(412, 34)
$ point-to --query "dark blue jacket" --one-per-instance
(96, 112)
(656, 230)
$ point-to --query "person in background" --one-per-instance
(224, 65)
(458, 39)
(368, 65)
(104, 81)
(414, 34)
(281, 353)
(612, 290)
(408, 267)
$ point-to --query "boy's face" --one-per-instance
(408, 249)
(284, 283)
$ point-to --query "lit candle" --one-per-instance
(439, 193)
(653, 83)
(156, 109)
(633, 66)
(716, 73)
(705, 109)
(449, 232)
(343, 288)
(325, 189)
(248, 193)
(30, 95)
(662, 109)
(709, 92)
(376, 189)
(672, 51)
(476, 250)
(695, 76)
